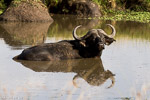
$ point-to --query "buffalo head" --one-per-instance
(95, 38)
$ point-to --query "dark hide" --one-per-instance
(59, 51)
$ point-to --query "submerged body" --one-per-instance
(89, 46)
(58, 51)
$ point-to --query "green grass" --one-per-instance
(127, 16)
(1, 11)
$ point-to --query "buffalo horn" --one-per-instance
(74, 33)
(113, 81)
(113, 31)
(74, 78)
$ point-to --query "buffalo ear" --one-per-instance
(82, 42)
(108, 41)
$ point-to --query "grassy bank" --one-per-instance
(2, 6)
(127, 16)
(1, 11)
(128, 10)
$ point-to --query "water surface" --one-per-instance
(126, 62)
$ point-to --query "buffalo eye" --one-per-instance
(98, 40)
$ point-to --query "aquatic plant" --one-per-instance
(127, 16)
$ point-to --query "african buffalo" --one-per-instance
(91, 69)
(90, 45)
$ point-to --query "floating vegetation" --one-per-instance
(127, 16)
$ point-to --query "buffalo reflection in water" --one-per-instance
(91, 70)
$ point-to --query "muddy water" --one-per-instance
(122, 73)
